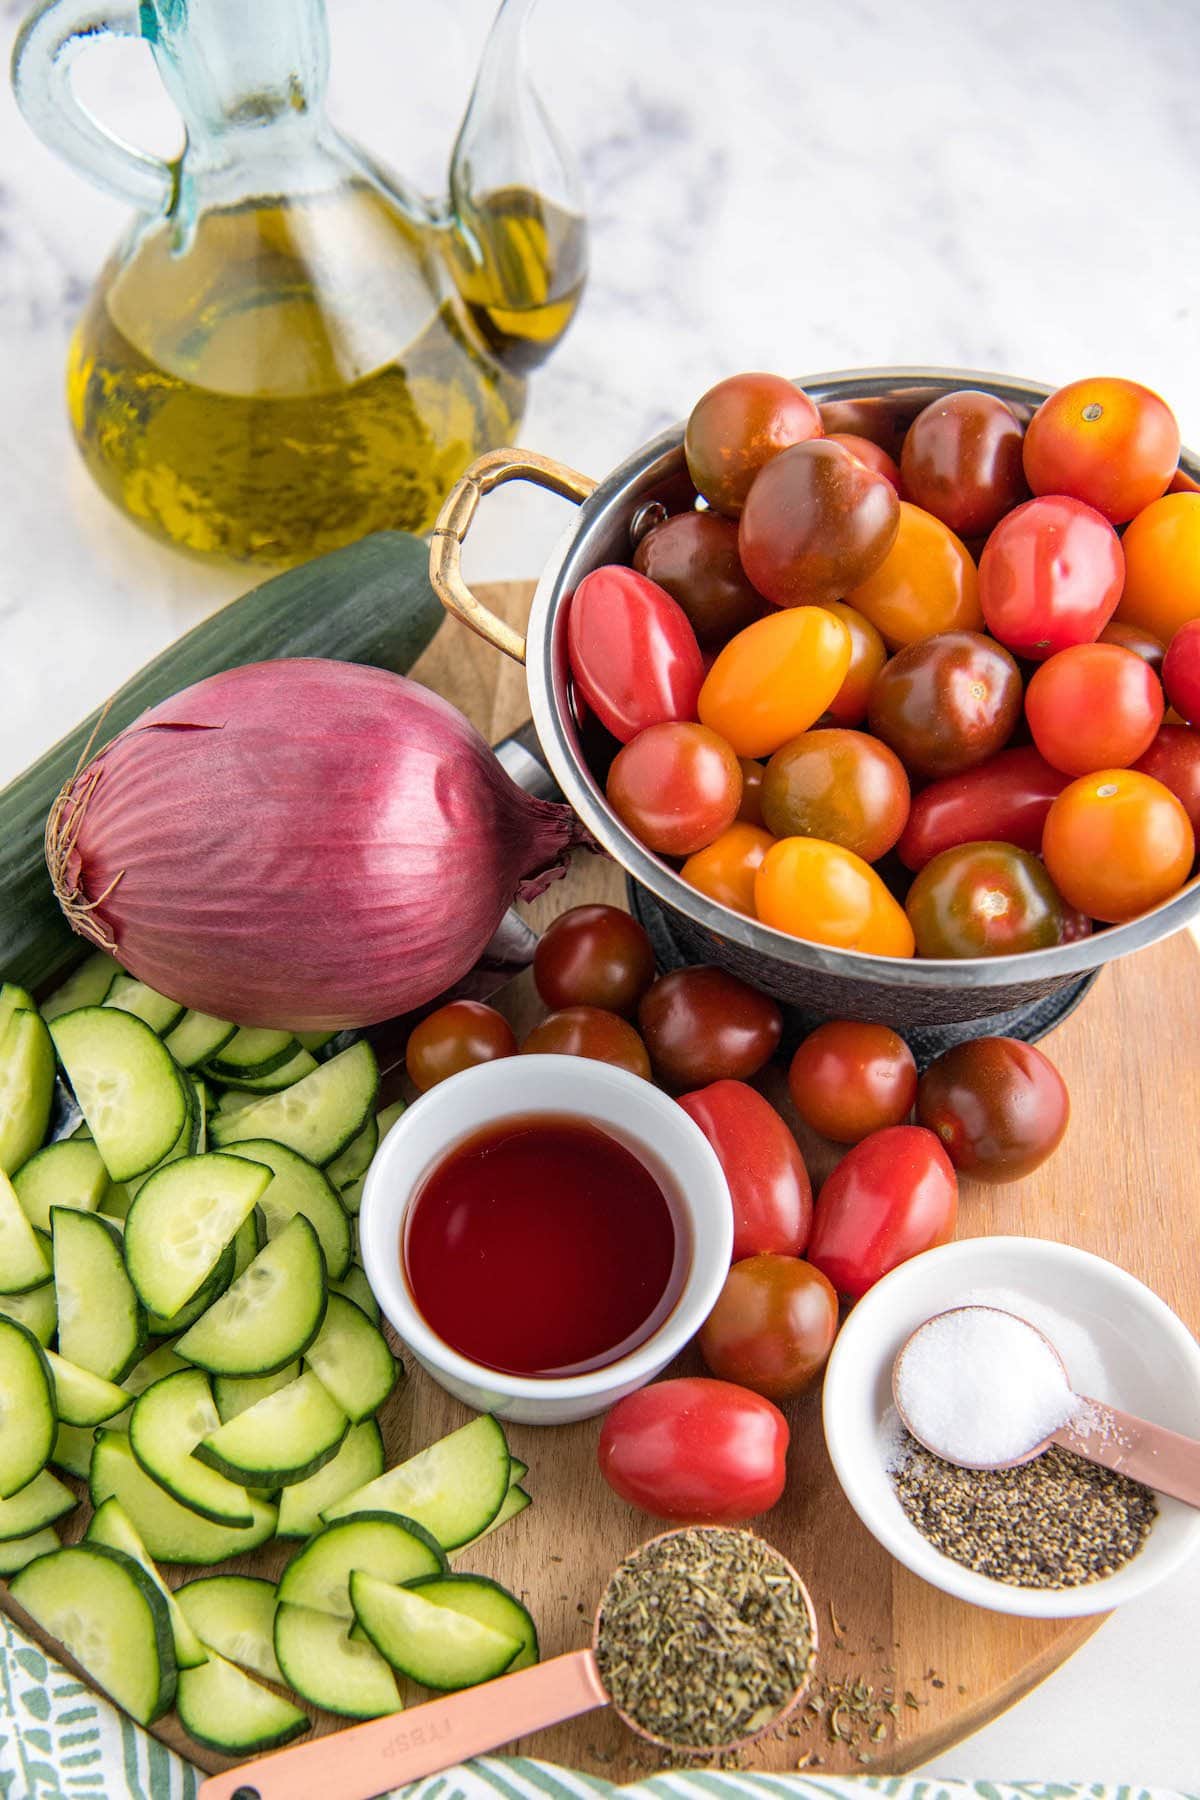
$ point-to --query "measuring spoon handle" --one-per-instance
(1162, 1459)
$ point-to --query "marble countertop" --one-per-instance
(775, 186)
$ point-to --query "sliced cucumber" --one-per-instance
(167, 1423)
(355, 1286)
(285, 1436)
(73, 1446)
(326, 1666)
(392, 1548)
(81, 1398)
(15, 1553)
(182, 1220)
(318, 1116)
(300, 1187)
(104, 1608)
(154, 1009)
(170, 1532)
(34, 1506)
(37, 1309)
(355, 1159)
(251, 1051)
(27, 1417)
(199, 1098)
(201, 1300)
(101, 1323)
(235, 1616)
(26, 1087)
(315, 1040)
(352, 1195)
(229, 1711)
(359, 1459)
(285, 1076)
(153, 1367)
(437, 1647)
(513, 1503)
(454, 1489)
(197, 1038)
(485, 1601)
(186, 1144)
(23, 1262)
(130, 1092)
(235, 1394)
(111, 1525)
(352, 1360)
(271, 1313)
(85, 986)
(14, 999)
(388, 1117)
(70, 1173)
(249, 1239)
(117, 1201)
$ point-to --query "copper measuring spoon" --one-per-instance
(371, 1759)
(1161, 1459)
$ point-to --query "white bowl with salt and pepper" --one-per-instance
(1120, 1342)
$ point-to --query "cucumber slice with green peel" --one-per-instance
(227, 1710)
(129, 1090)
(186, 1144)
(270, 1314)
(36, 1309)
(170, 1532)
(355, 1159)
(355, 1286)
(285, 1076)
(101, 1322)
(513, 1504)
(232, 1099)
(16, 1553)
(352, 1196)
(317, 1117)
(325, 1666)
(199, 1096)
(249, 1240)
(439, 1648)
(235, 1616)
(23, 1262)
(154, 1009)
(352, 1360)
(454, 1489)
(251, 1051)
(236, 1394)
(117, 1201)
(301, 1187)
(167, 1423)
(201, 1300)
(388, 1117)
(27, 1416)
(479, 1598)
(359, 1459)
(182, 1221)
(517, 1471)
(35, 1506)
(70, 1173)
(315, 1040)
(73, 1446)
(155, 1366)
(197, 1037)
(104, 1608)
(111, 1525)
(85, 986)
(14, 999)
(81, 1398)
(285, 1436)
(385, 1545)
(26, 1087)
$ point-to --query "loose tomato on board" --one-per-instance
(1174, 759)
(676, 787)
(738, 426)
(457, 1036)
(632, 651)
(768, 1180)
(775, 679)
(695, 1451)
(868, 653)
(725, 869)
(773, 1326)
(1094, 706)
(1112, 444)
(1006, 798)
(998, 1106)
(1181, 672)
(593, 956)
(946, 703)
(849, 1078)
(591, 1032)
(702, 1024)
(984, 899)
(1132, 637)
(816, 890)
(873, 455)
(962, 461)
(926, 583)
(694, 557)
(890, 1198)
(1050, 576)
(842, 786)
(815, 523)
(1117, 843)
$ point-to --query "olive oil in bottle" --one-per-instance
(520, 263)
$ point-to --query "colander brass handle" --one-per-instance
(454, 522)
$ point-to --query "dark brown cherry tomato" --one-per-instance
(737, 427)
(589, 1031)
(998, 1106)
(870, 453)
(676, 787)
(1094, 706)
(891, 1197)
(1181, 672)
(947, 702)
(773, 1326)
(632, 651)
(750, 810)
(694, 556)
(593, 956)
(768, 1180)
(984, 899)
(702, 1024)
(1132, 637)
(849, 1078)
(1076, 925)
(962, 461)
(1005, 799)
(1050, 575)
(695, 1451)
(880, 420)
(842, 786)
(816, 523)
(456, 1037)
(868, 653)
(1174, 759)
(1109, 442)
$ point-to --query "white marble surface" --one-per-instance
(771, 185)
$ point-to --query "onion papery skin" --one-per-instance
(300, 844)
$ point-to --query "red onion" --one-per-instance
(301, 844)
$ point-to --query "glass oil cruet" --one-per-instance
(289, 348)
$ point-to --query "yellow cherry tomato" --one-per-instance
(821, 892)
(1162, 566)
(926, 583)
(725, 870)
(775, 678)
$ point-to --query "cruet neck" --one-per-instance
(239, 64)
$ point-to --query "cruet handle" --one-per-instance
(49, 41)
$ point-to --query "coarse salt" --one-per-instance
(980, 1386)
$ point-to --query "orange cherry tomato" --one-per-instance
(725, 870)
(1117, 843)
(821, 892)
(1112, 444)
(1162, 566)
(868, 653)
(775, 678)
(926, 583)
(750, 811)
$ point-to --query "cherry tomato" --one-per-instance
(695, 1451)
(773, 1326)
(880, 420)
(1132, 637)
(999, 1107)
(593, 956)
(816, 890)
(456, 1037)
(702, 1024)
(1174, 759)
(1162, 566)
(1006, 798)
(694, 556)
(1076, 925)
(984, 899)
(1181, 672)
(816, 523)
(676, 787)
(750, 811)
(1117, 843)
(849, 1079)
(775, 678)
(589, 1031)
(890, 1198)
(632, 652)
(736, 427)
(1183, 483)
(873, 455)
(842, 786)
(868, 653)
(725, 869)
(1094, 706)
(926, 583)
(1110, 443)
(1050, 576)
(768, 1182)
(947, 703)
(962, 461)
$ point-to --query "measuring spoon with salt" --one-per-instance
(371, 1759)
(985, 1389)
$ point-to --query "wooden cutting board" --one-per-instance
(1121, 1185)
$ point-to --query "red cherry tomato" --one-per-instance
(849, 1078)
(702, 1024)
(999, 1106)
(1005, 799)
(773, 1326)
(873, 455)
(456, 1037)
(632, 652)
(1050, 576)
(1174, 759)
(676, 787)
(1181, 672)
(768, 1182)
(593, 956)
(1113, 444)
(1132, 637)
(588, 1031)
(696, 1451)
(890, 1198)
(962, 461)
(742, 423)
(816, 523)
(694, 556)
(1095, 706)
